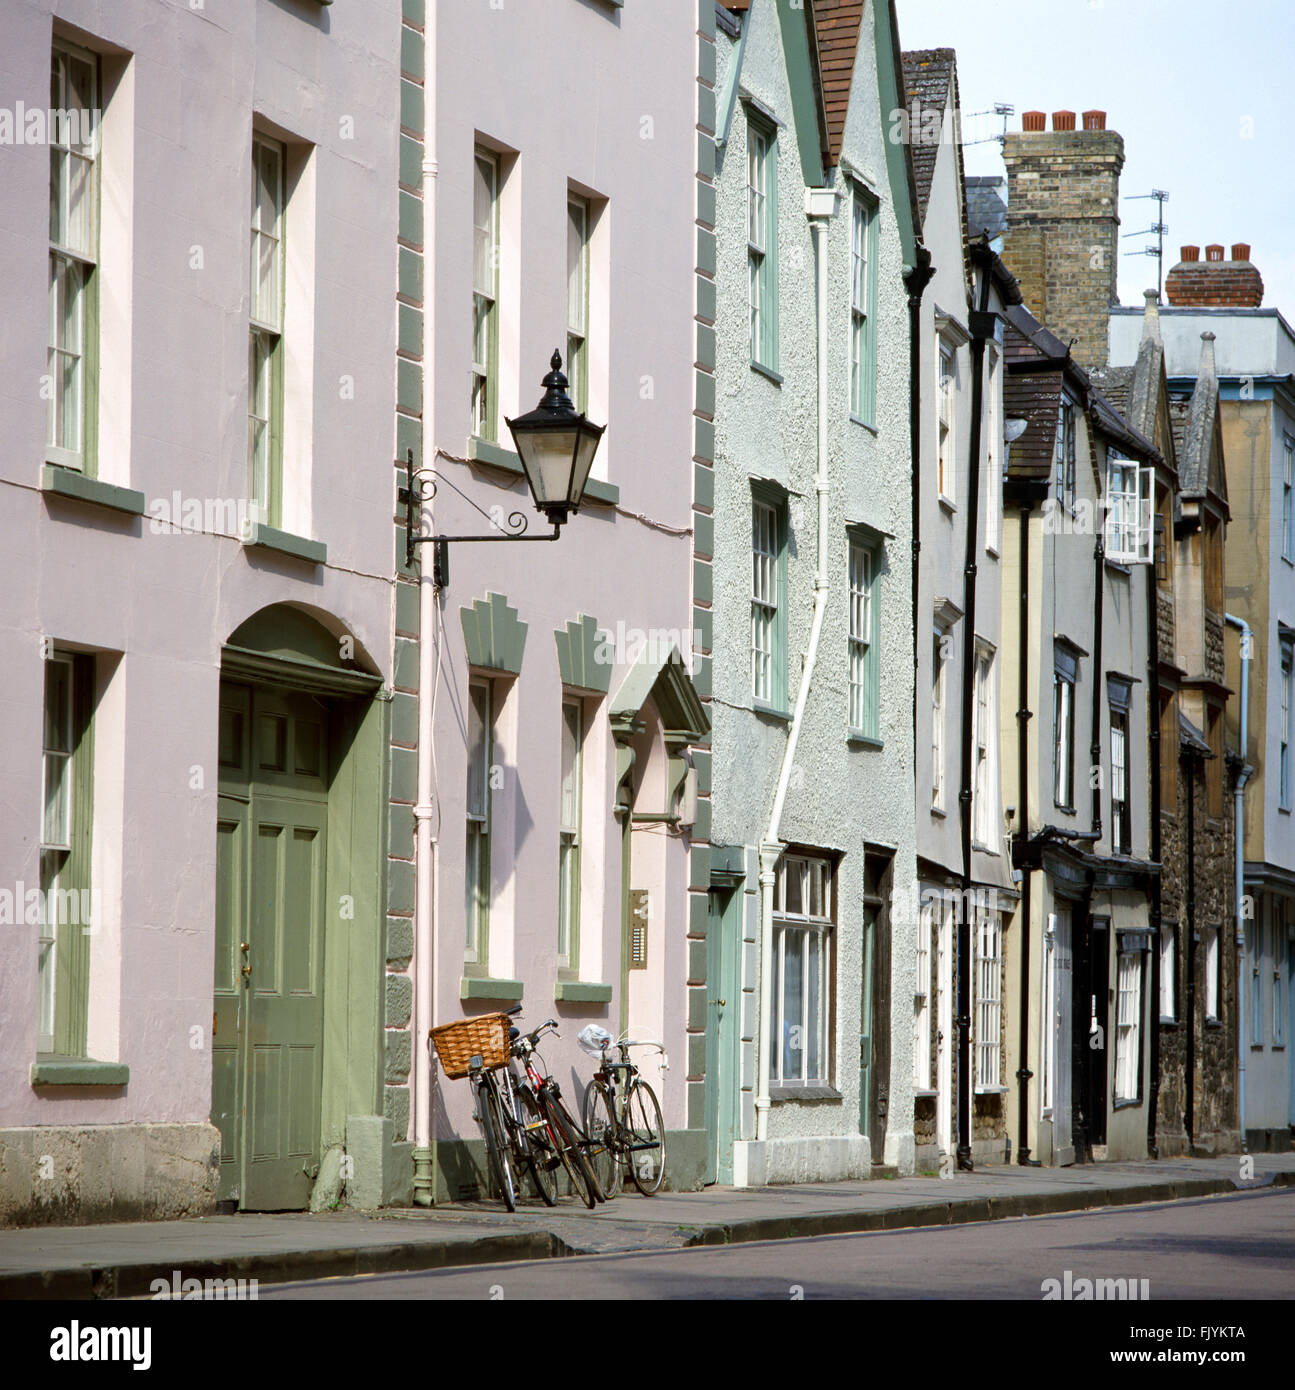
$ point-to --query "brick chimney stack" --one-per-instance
(1214, 283)
(1062, 237)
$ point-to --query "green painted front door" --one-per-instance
(866, 1025)
(269, 1014)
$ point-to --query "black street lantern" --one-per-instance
(556, 445)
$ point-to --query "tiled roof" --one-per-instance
(1191, 737)
(986, 206)
(836, 29)
(1033, 397)
(929, 73)
(1194, 421)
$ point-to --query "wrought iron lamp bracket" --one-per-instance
(421, 485)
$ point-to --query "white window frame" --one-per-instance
(485, 295)
(863, 365)
(762, 242)
(1168, 972)
(1120, 808)
(266, 285)
(1281, 952)
(1284, 731)
(1064, 453)
(1063, 753)
(71, 349)
(939, 681)
(577, 355)
(816, 928)
(989, 1002)
(570, 812)
(946, 431)
(922, 996)
(1128, 1025)
(861, 620)
(993, 451)
(984, 786)
(1288, 505)
(1210, 968)
(1130, 522)
(766, 548)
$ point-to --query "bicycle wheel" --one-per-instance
(540, 1159)
(601, 1132)
(646, 1135)
(563, 1130)
(492, 1124)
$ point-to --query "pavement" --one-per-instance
(123, 1261)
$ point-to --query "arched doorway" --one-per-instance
(298, 902)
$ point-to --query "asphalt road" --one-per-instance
(1240, 1247)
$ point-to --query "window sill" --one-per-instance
(475, 987)
(984, 849)
(775, 377)
(285, 543)
(858, 740)
(939, 811)
(770, 712)
(1120, 567)
(780, 1093)
(947, 503)
(991, 1090)
(1168, 1022)
(863, 424)
(67, 482)
(1214, 1023)
(78, 1071)
(1126, 1104)
(924, 1093)
(1066, 810)
(581, 992)
(492, 455)
(993, 550)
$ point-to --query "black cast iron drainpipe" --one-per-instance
(1019, 841)
(982, 324)
(1153, 729)
(916, 281)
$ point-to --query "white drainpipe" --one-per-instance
(820, 206)
(423, 964)
(1242, 1047)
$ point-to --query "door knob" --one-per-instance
(719, 1003)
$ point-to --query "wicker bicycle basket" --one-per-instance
(457, 1043)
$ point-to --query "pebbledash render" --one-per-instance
(812, 887)
(197, 604)
(549, 794)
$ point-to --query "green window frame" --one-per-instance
(485, 294)
(476, 874)
(569, 838)
(265, 338)
(72, 346)
(578, 220)
(67, 815)
(863, 296)
(762, 240)
(769, 600)
(864, 639)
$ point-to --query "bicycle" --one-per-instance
(622, 1122)
(557, 1130)
(525, 1125)
(480, 1049)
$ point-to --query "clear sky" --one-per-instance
(1202, 92)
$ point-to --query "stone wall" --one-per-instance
(1214, 1128)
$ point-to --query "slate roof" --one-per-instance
(837, 24)
(1039, 364)
(986, 206)
(1189, 736)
